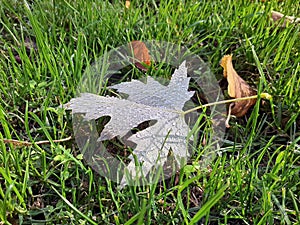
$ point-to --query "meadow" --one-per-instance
(45, 47)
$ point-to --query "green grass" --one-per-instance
(255, 180)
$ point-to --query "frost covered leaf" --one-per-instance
(145, 102)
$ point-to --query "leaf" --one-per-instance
(237, 88)
(127, 4)
(277, 16)
(140, 54)
(150, 101)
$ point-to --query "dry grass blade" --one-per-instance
(27, 143)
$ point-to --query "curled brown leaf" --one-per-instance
(277, 16)
(140, 54)
(237, 88)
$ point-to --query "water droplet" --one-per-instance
(178, 134)
(143, 153)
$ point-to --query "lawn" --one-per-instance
(45, 49)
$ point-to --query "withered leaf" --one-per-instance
(237, 88)
(127, 4)
(140, 54)
(277, 16)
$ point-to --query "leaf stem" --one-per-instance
(263, 95)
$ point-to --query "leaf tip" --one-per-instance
(226, 59)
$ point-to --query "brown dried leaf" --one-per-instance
(237, 88)
(127, 4)
(277, 16)
(141, 54)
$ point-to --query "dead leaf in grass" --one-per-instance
(277, 16)
(237, 88)
(140, 54)
(127, 4)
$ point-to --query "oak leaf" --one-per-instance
(149, 101)
(237, 88)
